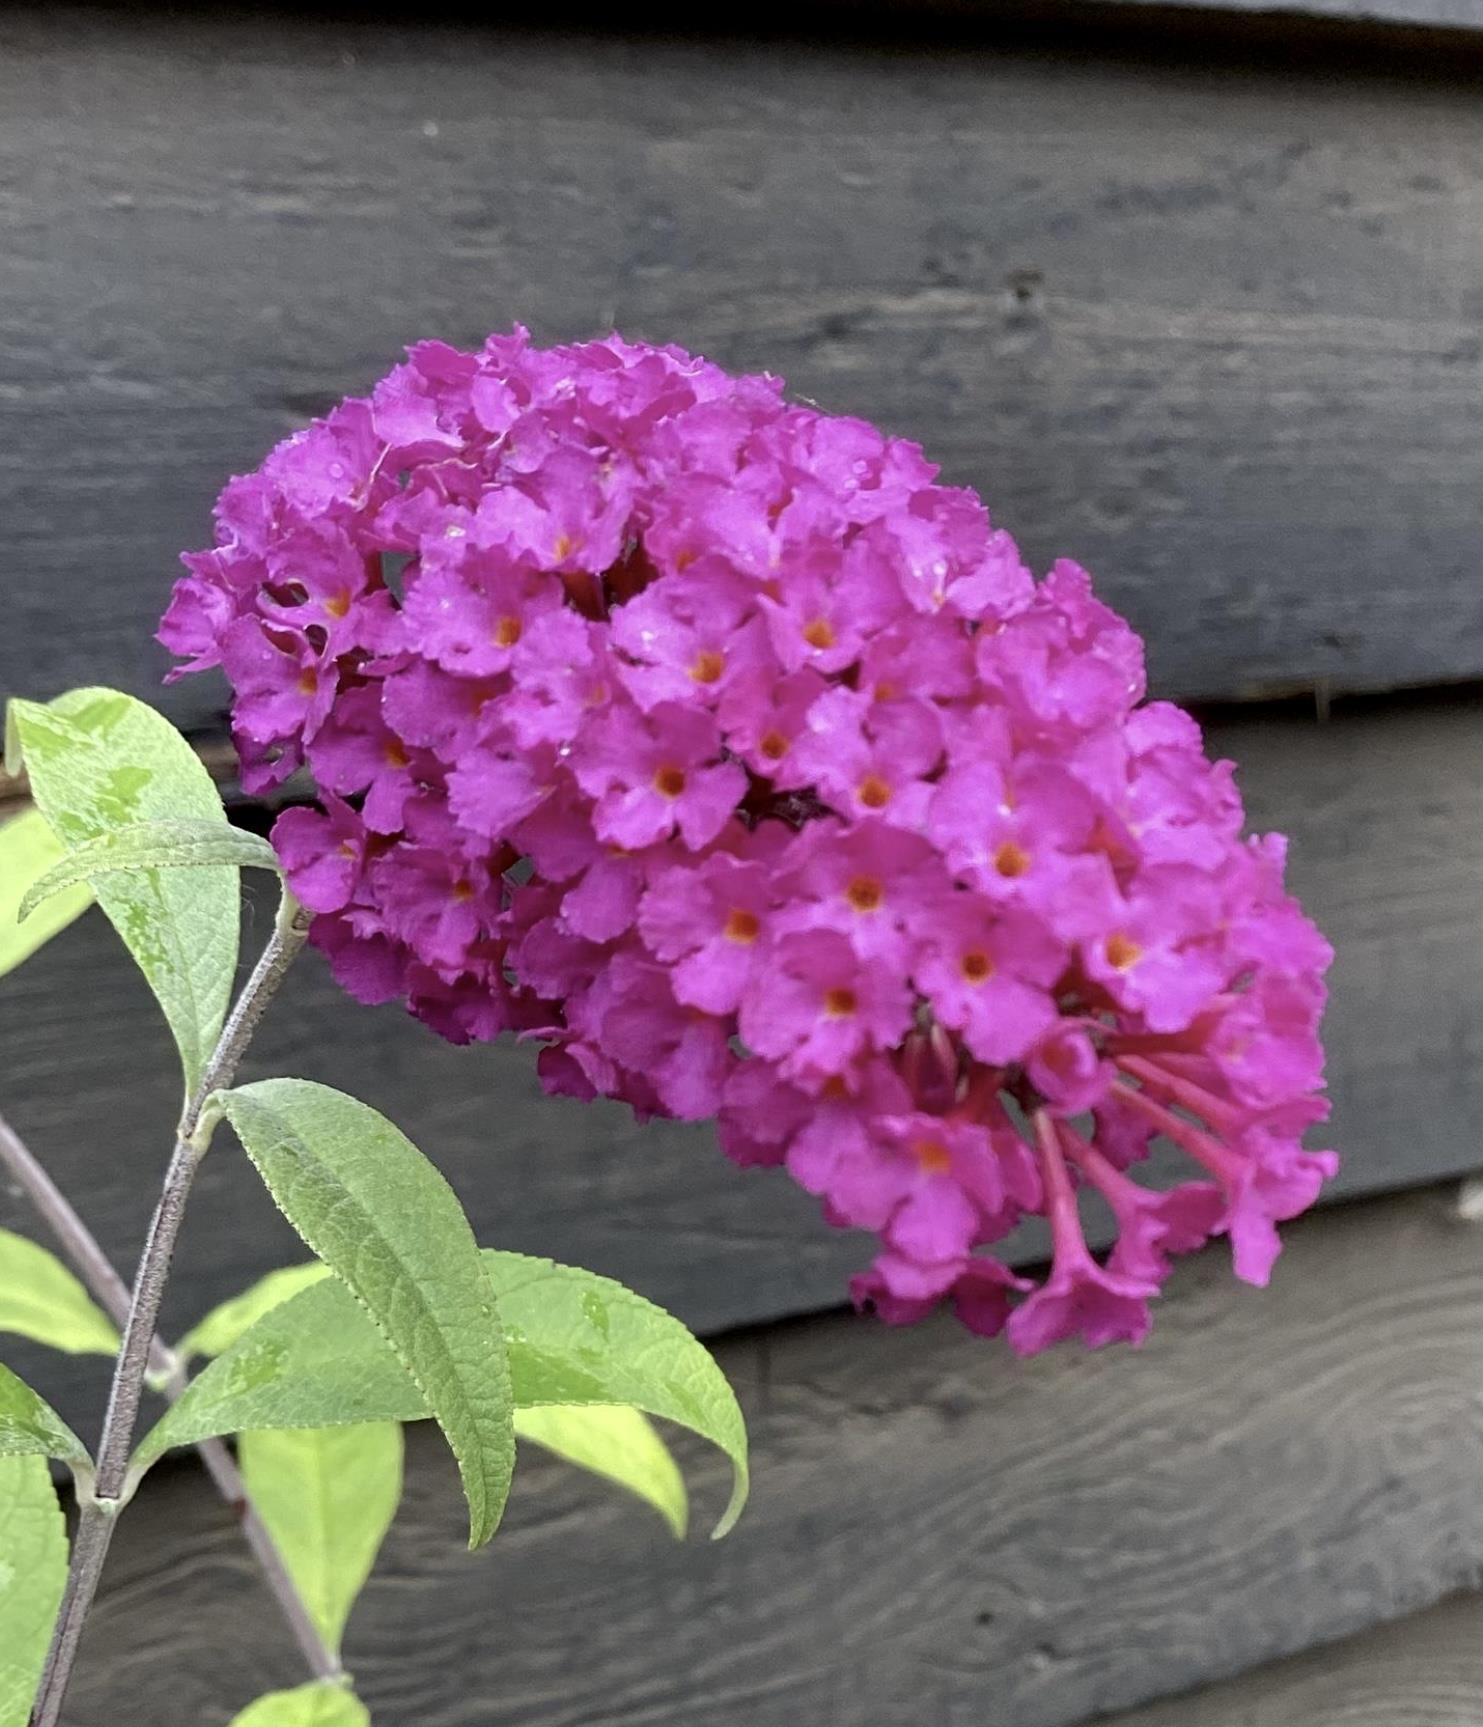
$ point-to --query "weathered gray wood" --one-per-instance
(1417, 22)
(1457, 17)
(1425, 1671)
(1216, 335)
(938, 1535)
(1442, 14)
(1386, 814)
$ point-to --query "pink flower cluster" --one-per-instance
(712, 743)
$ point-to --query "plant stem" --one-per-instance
(100, 1511)
(95, 1268)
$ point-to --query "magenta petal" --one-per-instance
(322, 854)
(1084, 1301)
(981, 1295)
(372, 968)
(604, 903)
(936, 1222)
(490, 794)
(713, 977)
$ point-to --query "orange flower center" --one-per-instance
(462, 891)
(865, 893)
(874, 793)
(308, 682)
(819, 633)
(840, 1003)
(976, 966)
(337, 605)
(507, 632)
(707, 666)
(774, 746)
(933, 1156)
(669, 782)
(395, 755)
(564, 547)
(1011, 860)
(742, 926)
(1122, 951)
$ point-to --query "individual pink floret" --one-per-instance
(658, 774)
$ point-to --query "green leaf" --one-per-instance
(573, 1337)
(225, 1324)
(327, 1495)
(617, 1443)
(100, 761)
(42, 1300)
(578, 1338)
(30, 1427)
(382, 1218)
(33, 1572)
(28, 849)
(150, 846)
(313, 1705)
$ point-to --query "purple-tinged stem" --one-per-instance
(99, 1511)
(97, 1271)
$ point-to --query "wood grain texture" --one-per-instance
(1460, 18)
(1386, 814)
(1443, 14)
(1425, 1671)
(1218, 334)
(938, 1533)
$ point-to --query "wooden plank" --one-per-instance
(1217, 336)
(1424, 1672)
(1386, 813)
(938, 1534)
(1426, 14)
(1325, 23)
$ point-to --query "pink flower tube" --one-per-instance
(708, 741)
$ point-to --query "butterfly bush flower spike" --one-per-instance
(711, 743)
